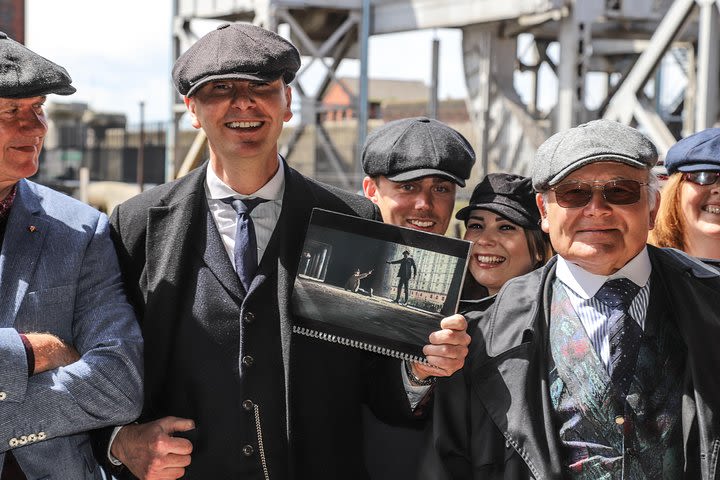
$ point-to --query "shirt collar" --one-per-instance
(272, 190)
(586, 284)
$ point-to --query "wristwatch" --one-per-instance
(414, 380)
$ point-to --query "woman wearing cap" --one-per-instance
(503, 223)
(689, 215)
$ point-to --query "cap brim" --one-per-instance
(57, 90)
(605, 157)
(507, 212)
(425, 172)
(255, 77)
(699, 167)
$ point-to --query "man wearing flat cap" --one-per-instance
(70, 348)
(210, 260)
(602, 364)
(413, 167)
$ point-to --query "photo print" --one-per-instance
(375, 286)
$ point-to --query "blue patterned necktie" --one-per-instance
(624, 332)
(245, 252)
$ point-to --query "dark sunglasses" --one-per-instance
(579, 194)
(702, 178)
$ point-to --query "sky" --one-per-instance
(119, 53)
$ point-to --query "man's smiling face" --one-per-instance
(423, 204)
(600, 237)
(242, 118)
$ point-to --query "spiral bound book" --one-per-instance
(379, 287)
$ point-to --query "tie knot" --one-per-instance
(244, 205)
(617, 292)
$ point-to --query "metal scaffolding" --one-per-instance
(627, 42)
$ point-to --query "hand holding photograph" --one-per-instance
(376, 286)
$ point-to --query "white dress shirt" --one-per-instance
(581, 286)
(264, 216)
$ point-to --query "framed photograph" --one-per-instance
(375, 286)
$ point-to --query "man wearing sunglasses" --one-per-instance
(603, 363)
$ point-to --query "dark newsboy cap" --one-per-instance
(25, 74)
(235, 51)
(592, 142)
(510, 196)
(418, 147)
(695, 153)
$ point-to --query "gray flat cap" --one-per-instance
(237, 51)
(596, 141)
(25, 74)
(418, 147)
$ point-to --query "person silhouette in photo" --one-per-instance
(407, 270)
(353, 283)
(306, 257)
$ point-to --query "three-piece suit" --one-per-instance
(267, 403)
(59, 274)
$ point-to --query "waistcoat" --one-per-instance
(602, 434)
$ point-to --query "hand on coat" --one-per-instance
(150, 451)
(447, 349)
(50, 352)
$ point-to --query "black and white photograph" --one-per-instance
(374, 285)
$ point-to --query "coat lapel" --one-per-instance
(298, 202)
(24, 236)
(513, 385)
(182, 226)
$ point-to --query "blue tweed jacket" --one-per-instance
(59, 274)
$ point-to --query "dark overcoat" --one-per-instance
(192, 312)
(494, 419)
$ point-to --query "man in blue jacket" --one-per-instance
(70, 348)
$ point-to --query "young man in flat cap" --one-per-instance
(413, 168)
(70, 348)
(602, 364)
(210, 261)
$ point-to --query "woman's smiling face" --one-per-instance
(500, 249)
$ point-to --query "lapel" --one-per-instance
(513, 383)
(297, 205)
(691, 301)
(20, 250)
(183, 224)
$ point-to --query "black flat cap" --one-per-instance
(25, 74)
(695, 153)
(418, 147)
(592, 142)
(235, 51)
(510, 196)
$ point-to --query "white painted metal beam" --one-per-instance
(622, 104)
(708, 74)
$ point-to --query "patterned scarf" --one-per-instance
(6, 204)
